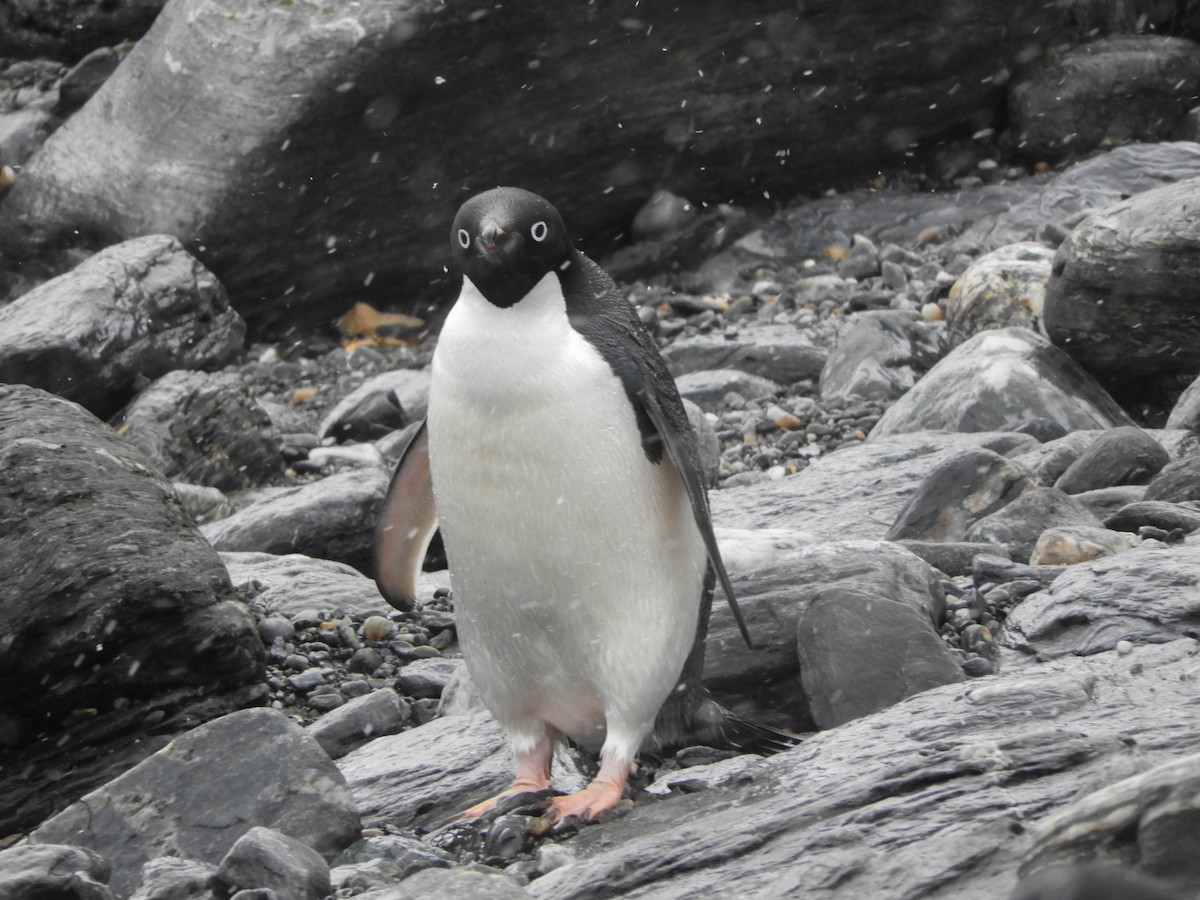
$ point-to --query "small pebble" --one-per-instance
(378, 628)
(1124, 648)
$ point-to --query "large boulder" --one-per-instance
(112, 605)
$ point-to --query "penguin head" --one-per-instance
(505, 240)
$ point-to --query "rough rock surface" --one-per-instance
(880, 356)
(1002, 288)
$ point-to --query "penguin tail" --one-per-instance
(696, 717)
(739, 733)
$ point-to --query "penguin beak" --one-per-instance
(489, 239)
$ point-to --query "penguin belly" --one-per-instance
(576, 563)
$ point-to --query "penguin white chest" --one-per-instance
(576, 563)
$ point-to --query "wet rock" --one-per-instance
(360, 720)
(1120, 456)
(1067, 546)
(427, 678)
(735, 770)
(167, 878)
(996, 569)
(396, 855)
(85, 78)
(1018, 524)
(45, 28)
(22, 132)
(1155, 513)
(840, 629)
(962, 490)
(384, 403)
(292, 583)
(132, 312)
(1186, 412)
(462, 884)
(1178, 481)
(282, 780)
(54, 871)
(778, 352)
(952, 557)
(1127, 87)
(661, 215)
(880, 356)
(201, 428)
(333, 518)
(708, 388)
(1000, 379)
(203, 504)
(1145, 595)
(94, 537)
(265, 859)
(1092, 881)
(1000, 289)
(1103, 502)
(1048, 461)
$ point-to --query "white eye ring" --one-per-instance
(539, 231)
(464, 239)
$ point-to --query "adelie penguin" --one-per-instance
(558, 462)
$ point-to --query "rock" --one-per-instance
(1103, 502)
(168, 878)
(708, 388)
(1121, 88)
(1119, 301)
(1006, 287)
(459, 884)
(963, 489)
(927, 793)
(1157, 514)
(385, 403)
(427, 678)
(1148, 818)
(203, 804)
(22, 132)
(292, 583)
(134, 311)
(109, 592)
(1145, 595)
(53, 871)
(202, 428)
(1048, 461)
(1079, 543)
(405, 855)
(861, 260)
(1186, 412)
(703, 777)
(263, 858)
(1092, 881)
(332, 518)
(1177, 481)
(880, 356)
(1001, 379)
(778, 352)
(707, 442)
(85, 78)
(360, 720)
(952, 557)
(989, 568)
(44, 28)
(203, 504)
(375, 81)
(1120, 456)
(841, 629)
(661, 215)
(1019, 524)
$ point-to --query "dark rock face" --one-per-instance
(1177, 481)
(332, 104)
(132, 312)
(1121, 456)
(880, 356)
(68, 30)
(1131, 87)
(1018, 524)
(1120, 301)
(109, 590)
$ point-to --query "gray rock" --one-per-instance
(1146, 595)
(708, 388)
(385, 403)
(203, 804)
(265, 858)
(778, 352)
(203, 504)
(1091, 881)
(703, 777)
(962, 490)
(1120, 299)
(880, 356)
(1156, 513)
(1048, 461)
(1104, 502)
(861, 261)
(1002, 288)
(427, 678)
(109, 591)
(988, 568)
(938, 798)
(707, 442)
(1148, 819)
(1186, 412)
(202, 428)
(1177, 481)
(292, 583)
(360, 720)
(38, 28)
(1018, 524)
(85, 78)
(408, 854)
(663, 214)
(332, 518)
(458, 884)
(135, 311)
(55, 872)
(1072, 544)
(22, 132)
(860, 652)
(952, 557)
(169, 878)
(1125, 455)
(1125, 87)
(1001, 379)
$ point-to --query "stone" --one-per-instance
(1048, 461)
(427, 678)
(385, 403)
(707, 389)
(1119, 456)
(860, 652)
(461, 885)
(778, 352)
(880, 356)
(698, 778)
(109, 592)
(1019, 524)
(1001, 379)
(1177, 481)
(203, 804)
(1117, 89)
(1006, 287)
(53, 871)
(1186, 412)
(661, 215)
(952, 557)
(291, 583)
(1157, 514)
(1145, 595)
(85, 78)
(201, 428)
(169, 878)
(963, 489)
(44, 28)
(360, 720)
(22, 132)
(1070, 545)
(264, 858)
(1104, 502)
(1095, 881)
(406, 853)
(332, 518)
(134, 311)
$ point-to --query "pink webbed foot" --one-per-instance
(533, 774)
(486, 806)
(600, 796)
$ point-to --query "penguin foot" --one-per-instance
(486, 806)
(596, 798)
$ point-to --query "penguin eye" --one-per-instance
(464, 239)
(538, 231)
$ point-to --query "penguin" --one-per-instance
(557, 460)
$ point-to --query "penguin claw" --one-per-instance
(598, 797)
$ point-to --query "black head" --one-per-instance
(505, 240)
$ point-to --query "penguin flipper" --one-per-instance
(678, 453)
(406, 525)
